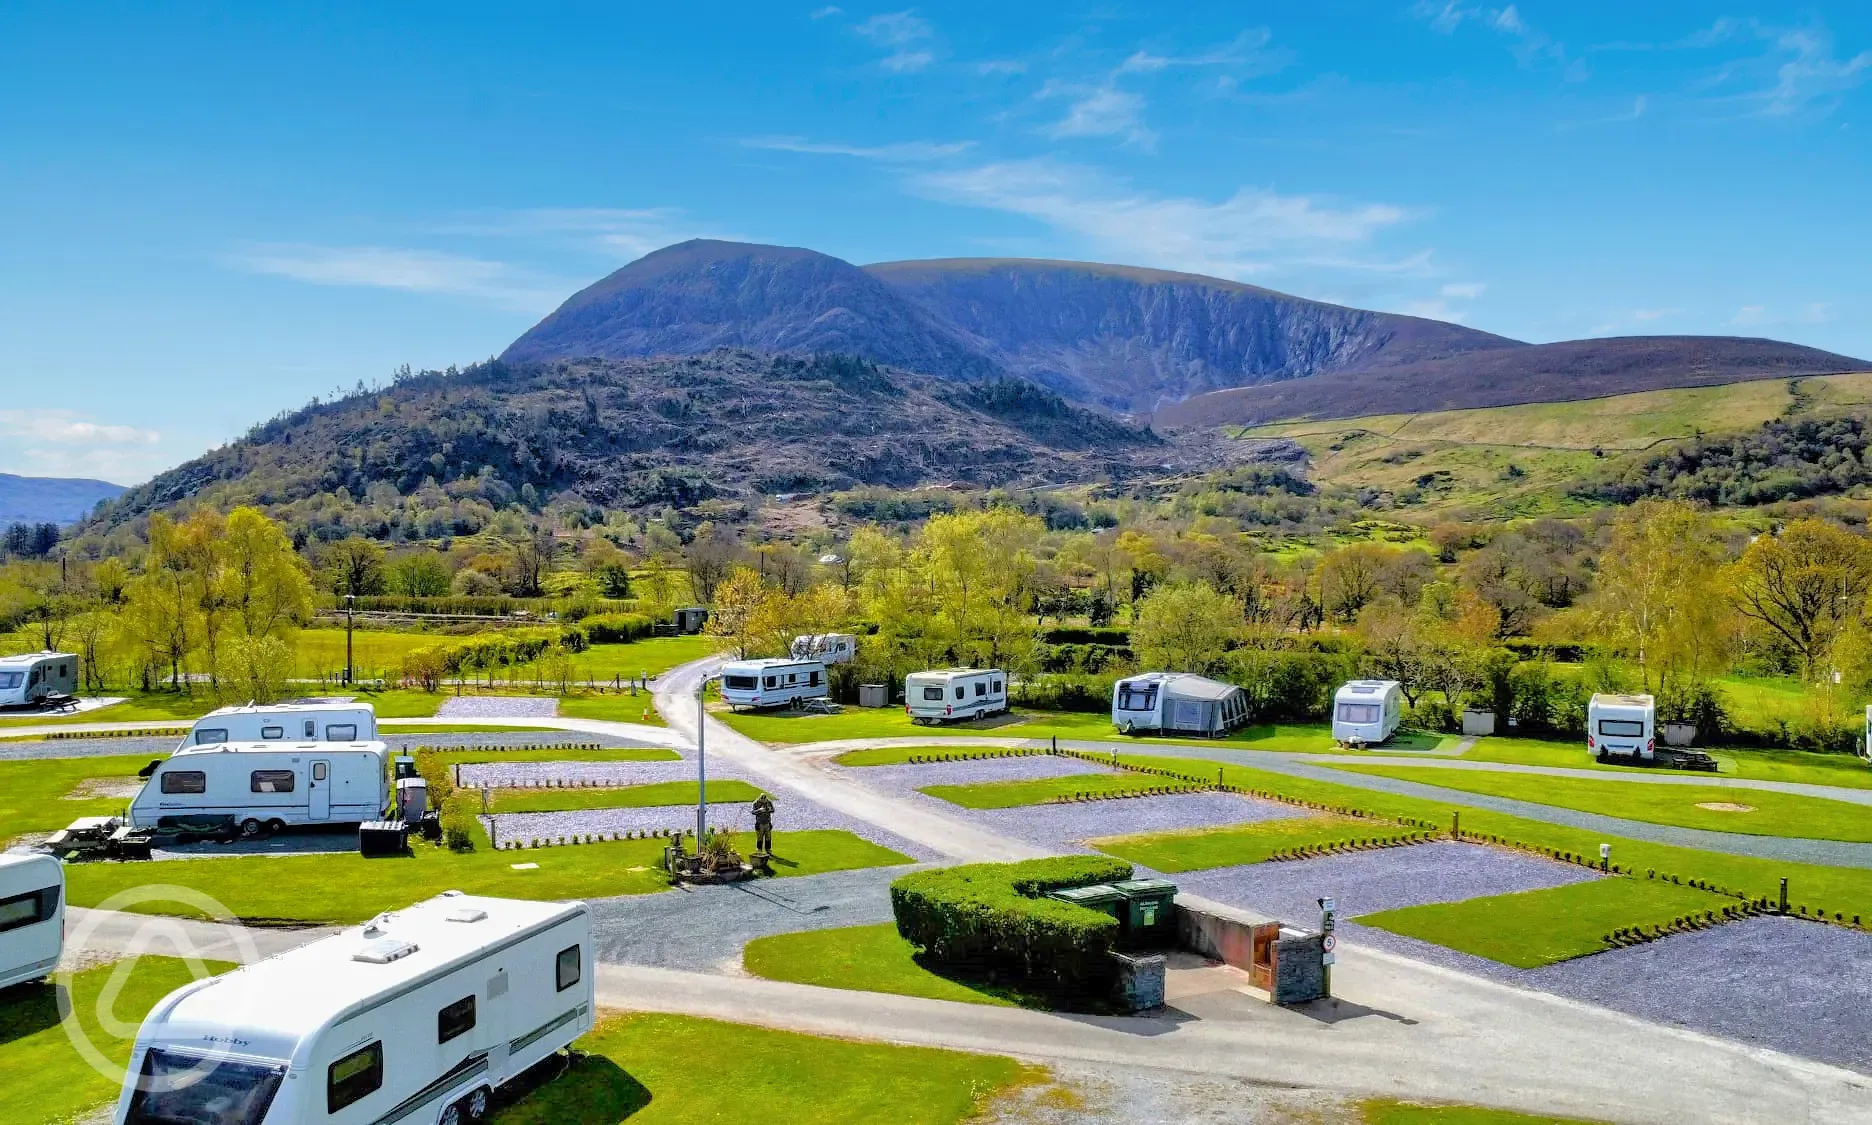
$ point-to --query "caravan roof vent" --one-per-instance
(468, 914)
(384, 951)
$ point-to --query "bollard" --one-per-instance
(1784, 902)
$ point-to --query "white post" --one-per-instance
(701, 764)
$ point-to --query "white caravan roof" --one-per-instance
(766, 662)
(286, 999)
(1188, 685)
(1637, 702)
(211, 748)
(1354, 691)
(28, 659)
(314, 705)
(947, 674)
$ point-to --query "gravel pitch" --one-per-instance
(87, 748)
(791, 814)
(1380, 879)
(1067, 826)
(904, 781)
(161, 747)
(536, 774)
(498, 707)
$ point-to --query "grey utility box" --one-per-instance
(874, 695)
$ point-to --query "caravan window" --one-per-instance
(981, 688)
(184, 781)
(997, 686)
(1621, 728)
(210, 735)
(356, 1076)
(772, 681)
(271, 781)
(1358, 712)
(181, 1087)
(341, 732)
(311, 728)
(1142, 697)
(960, 691)
(455, 1020)
(9, 680)
(272, 733)
(28, 909)
(318, 771)
(933, 694)
(813, 677)
(740, 683)
(568, 967)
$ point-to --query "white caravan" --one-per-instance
(955, 693)
(416, 1017)
(285, 722)
(25, 680)
(1865, 749)
(1622, 726)
(32, 916)
(826, 648)
(1177, 703)
(1366, 712)
(260, 787)
(772, 682)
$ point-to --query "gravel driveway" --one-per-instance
(498, 707)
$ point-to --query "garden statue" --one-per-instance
(763, 825)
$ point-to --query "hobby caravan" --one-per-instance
(1366, 712)
(416, 1017)
(772, 682)
(955, 693)
(1622, 726)
(259, 787)
(826, 648)
(1177, 703)
(286, 722)
(32, 916)
(26, 681)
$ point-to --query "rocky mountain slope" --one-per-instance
(1562, 372)
(51, 499)
(646, 433)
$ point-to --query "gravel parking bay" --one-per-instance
(499, 707)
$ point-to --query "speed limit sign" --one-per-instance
(1329, 943)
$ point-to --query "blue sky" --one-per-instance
(212, 213)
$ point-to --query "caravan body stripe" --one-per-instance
(543, 1031)
(467, 1068)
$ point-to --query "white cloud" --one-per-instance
(828, 11)
(1464, 290)
(1431, 310)
(1529, 45)
(1818, 312)
(412, 271)
(1244, 48)
(1001, 66)
(905, 152)
(1757, 316)
(1250, 232)
(1099, 111)
(1799, 71)
(611, 230)
(1750, 315)
(902, 33)
(1642, 316)
(65, 443)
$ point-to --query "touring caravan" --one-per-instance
(1865, 748)
(1177, 703)
(772, 682)
(32, 916)
(305, 721)
(1366, 712)
(25, 681)
(826, 648)
(1622, 726)
(955, 693)
(418, 1016)
(259, 787)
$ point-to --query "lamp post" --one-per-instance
(350, 602)
(701, 761)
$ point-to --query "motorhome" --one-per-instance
(826, 648)
(419, 1015)
(772, 682)
(261, 787)
(32, 916)
(1366, 712)
(1177, 703)
(26, 681)
(1622, 726)
(305, 721)
(955, 693)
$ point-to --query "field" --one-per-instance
(864, 958)
(642, 1068)
(1199, 850)
(1389, 1111)
(1755, 812)
(38, 796)
(1842, 770)
(1534, 928)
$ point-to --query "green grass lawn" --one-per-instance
(1201, 849)
(472, 756)
(375, 653)
(652, 656)
(346, 887)
(1836, 890)
(1534, 928)
(613, 708)
(36, 795)
(1008, 794)
(47, 1081)
(137, 707)
(1773, 814)
(863, 958)
(644, 1069)
(1388, 1111)
(900, 755)
(622, 797)
(1841, 770)
(394, 726)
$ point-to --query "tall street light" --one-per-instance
(350, 602)
(701, 761)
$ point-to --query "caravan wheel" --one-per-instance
(476, 1104)
(275, 826)
(251, 829)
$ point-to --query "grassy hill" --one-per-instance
(1522, 459)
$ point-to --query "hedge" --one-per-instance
(987, 919)
(457, 810)
(568, 609)
(1080, 635)
(616, 628)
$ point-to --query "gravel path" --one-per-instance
(1066, 826)
(1380, 879)
(87, 748)
(535, 774)
(161, 747)
(704, 928)
(499, 707)
(904, 781)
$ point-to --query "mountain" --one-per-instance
(1562, 372)
(1117, 337)
(1133, 339)
(51, 499)
(442, 452)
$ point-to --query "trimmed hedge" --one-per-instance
(616, 628)
(987, 919)
(457, 809)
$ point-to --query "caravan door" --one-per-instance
(320, 790)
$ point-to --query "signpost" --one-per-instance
(1329, 912)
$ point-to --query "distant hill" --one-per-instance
(1562, 372)
(59, 500)
(729, 425)
(1117, 337)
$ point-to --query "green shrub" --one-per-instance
(457, 810)
(616, 628)
(988, 919)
